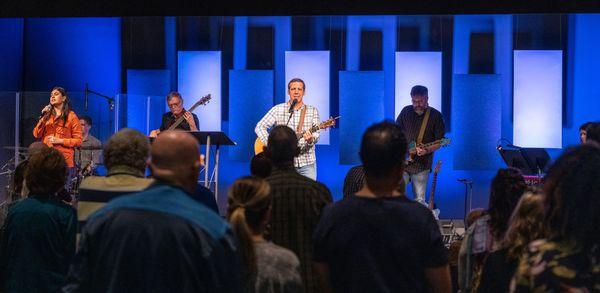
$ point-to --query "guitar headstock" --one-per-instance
(328, 123)
(438, 165)
(203, 101)
(444, 141)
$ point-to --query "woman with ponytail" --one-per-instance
(270, 268)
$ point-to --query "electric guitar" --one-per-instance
(412, 147)
(259, 146)
(436, 212)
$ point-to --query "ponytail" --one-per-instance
(248, 201)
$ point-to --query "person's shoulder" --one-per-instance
(435, 111)
(117, 183)
(404, 112)
(280, 105)
(94, 140)
(280, 254)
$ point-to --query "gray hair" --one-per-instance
(128, 147)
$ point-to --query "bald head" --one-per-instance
(175, 159)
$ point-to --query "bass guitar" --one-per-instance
(259, 146)
(203, 101)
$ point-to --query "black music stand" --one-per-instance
(514, 158)
(537, 159)
(208, 138)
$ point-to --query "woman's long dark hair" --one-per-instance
(507, 188)
(66, 107)
(572, 189)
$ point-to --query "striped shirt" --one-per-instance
(279, 115)
(354, 181)
(410, 122)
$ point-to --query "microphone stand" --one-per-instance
(111, 101)
(468, 194)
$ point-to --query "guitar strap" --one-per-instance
(301, 123)
(423, 126)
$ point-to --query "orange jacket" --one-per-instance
(70, 133)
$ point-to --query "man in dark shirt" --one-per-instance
(378, 240)
(159, 239)
(175, 103)
(410, 121)
(354, 181)
(297, 202)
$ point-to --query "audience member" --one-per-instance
(583, 132)
(485, 234)
(454, 249)
(39, 237)
(378, 240)
(593, 132)
(354, 181)
(159, 239)
(526, 225)
(125, 155)
(568, 260)
(270, 268)
(298, 202)
(260, 166)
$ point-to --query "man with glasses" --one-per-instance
(175, 102)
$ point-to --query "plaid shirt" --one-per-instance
(279, 115)
(298, 202)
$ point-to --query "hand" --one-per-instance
(46, 109)
(308, 137)
(154, 133)
(55, 140)
(190, 120)
(421, 151)
(202, 163)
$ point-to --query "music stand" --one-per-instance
(537, 159)
(514, 158)
(209, 138)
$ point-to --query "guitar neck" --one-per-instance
(432, 194)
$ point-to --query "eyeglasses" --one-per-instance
(174, 105)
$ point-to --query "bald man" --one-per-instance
(159, 239)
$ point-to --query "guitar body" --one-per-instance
(259, 147)
(412, 147)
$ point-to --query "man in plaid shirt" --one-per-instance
(297, 203)
(305, 162)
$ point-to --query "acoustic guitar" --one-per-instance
(259, 146)
(436, 212)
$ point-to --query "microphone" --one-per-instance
(45, 111)
(294, 102)
(86, 96)
(466, 181)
